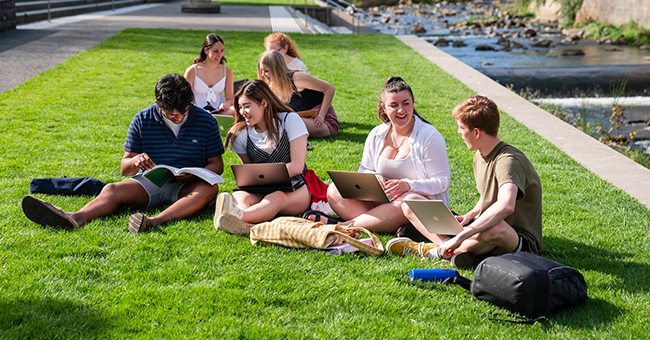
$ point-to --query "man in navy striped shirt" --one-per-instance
(173, 132)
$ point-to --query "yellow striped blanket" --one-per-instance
(298, 232)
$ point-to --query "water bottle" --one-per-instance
(431, 274)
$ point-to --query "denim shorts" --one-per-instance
(166, 195)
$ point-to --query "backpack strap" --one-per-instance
(520, 319)
(458, 280)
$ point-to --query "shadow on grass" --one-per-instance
(592, 314)
(50, 318)
(629, 274)
(353, 132)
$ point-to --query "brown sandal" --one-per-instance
(45, 214)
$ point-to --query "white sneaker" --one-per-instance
(232, 225)
(225, 205)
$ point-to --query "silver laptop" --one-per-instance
(262, 177)
(358, 185)
(435, 216)
(225, 123)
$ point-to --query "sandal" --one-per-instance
(43, 213)
(318, 217)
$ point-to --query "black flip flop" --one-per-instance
(45, 214)
(318, 214)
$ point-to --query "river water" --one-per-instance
(579, 85)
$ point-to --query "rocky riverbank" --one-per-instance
(513, 49)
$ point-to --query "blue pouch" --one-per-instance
(66, 186)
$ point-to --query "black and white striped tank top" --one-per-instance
(281, 154)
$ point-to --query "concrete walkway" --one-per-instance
(593, 155)
(25, 53)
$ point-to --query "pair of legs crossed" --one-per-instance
(497, 240)
(192, 197)
(264, 207)
(374, 216)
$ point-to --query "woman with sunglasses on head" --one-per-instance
(211, 79)
(282, 43)
(408, 156)
(302, 92)
(266, 131)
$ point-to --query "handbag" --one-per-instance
(318, 190)
(296, 232)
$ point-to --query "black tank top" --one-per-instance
(306, 99)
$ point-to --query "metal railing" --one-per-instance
(358, 14)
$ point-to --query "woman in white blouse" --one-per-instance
(408, 156)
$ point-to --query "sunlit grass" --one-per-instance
(187, 280)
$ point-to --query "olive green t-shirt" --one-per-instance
(506, 164)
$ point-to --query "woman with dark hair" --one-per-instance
(282, 43)
(211, 79)
(408, 156)
(302, 92)
(266, 131)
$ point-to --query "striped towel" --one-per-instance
(295, 232)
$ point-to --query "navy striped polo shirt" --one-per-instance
(198, 138)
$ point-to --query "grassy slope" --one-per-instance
(188, 280)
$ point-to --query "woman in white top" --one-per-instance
(408, 156)
(266, 131)
(282, 43)
(211, 79)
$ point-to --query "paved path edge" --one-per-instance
(596, 157)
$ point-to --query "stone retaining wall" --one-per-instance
(547, 11)
(7, 15)
(616, 12)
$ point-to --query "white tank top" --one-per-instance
(204, 94)
(396, 168)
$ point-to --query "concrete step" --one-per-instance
(42, 14)
(26, 6)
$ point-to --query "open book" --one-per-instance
(161, 174)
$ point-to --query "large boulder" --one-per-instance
(484, 48)
(418, 29)
(545, 43)
(441, 42)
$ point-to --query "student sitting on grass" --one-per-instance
(408, 156)
(508, 216)
(282, 43)
(302, 92)
(211, 78)
(172, 132)
(266, 131)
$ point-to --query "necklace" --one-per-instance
(403, 139)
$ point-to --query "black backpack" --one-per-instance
(525, 283)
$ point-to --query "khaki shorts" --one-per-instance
(166, 195)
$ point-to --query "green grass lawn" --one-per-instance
(187, 280)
